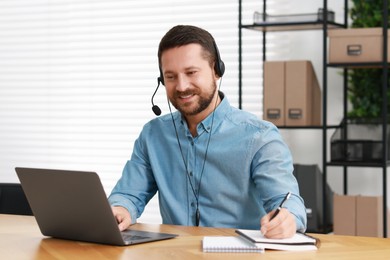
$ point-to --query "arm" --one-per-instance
(272, 171)
(134, 189)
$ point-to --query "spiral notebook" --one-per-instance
(229, 244)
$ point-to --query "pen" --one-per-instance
(281, 205)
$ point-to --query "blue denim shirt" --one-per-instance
(247, 172)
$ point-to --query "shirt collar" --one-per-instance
(207, 124)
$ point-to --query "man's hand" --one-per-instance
(122, 216)
(281, 226)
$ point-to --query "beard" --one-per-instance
(204, 101)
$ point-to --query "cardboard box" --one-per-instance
(292, 96)
(344, 215)
(274, 89)
(358, 215)
(303, 95)
(356, 45)
(369, 213)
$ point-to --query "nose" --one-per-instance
(182, 82)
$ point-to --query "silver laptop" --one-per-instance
(73, 205)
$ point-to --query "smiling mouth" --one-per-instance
(186, 96)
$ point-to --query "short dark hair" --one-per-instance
(181, 35)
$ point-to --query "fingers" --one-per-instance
(122, 216)
(264, 222)
(282, 226)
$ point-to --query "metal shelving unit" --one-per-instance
(385, 163)
(324, 25)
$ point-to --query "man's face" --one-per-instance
(189, 79)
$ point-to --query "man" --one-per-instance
(212, 164)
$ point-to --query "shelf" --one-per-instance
(291, 26)
(363, 65)
(267, 25)
(359, 164)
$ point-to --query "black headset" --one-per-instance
(219, 65)
(219, 69)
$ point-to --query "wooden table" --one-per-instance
(20, 238)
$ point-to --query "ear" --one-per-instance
(215, 73)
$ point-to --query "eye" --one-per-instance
(169, 77)
(191, 72)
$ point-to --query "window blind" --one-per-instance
(76, 77)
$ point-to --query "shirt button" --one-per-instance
(192, 143)
(192, 204)
(191, 174)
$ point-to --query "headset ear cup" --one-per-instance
(221, 68)
(219, 64)
(161, 77)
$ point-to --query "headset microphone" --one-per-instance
(155, 108)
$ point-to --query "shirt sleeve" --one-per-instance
(272, 171)
(136, 186)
